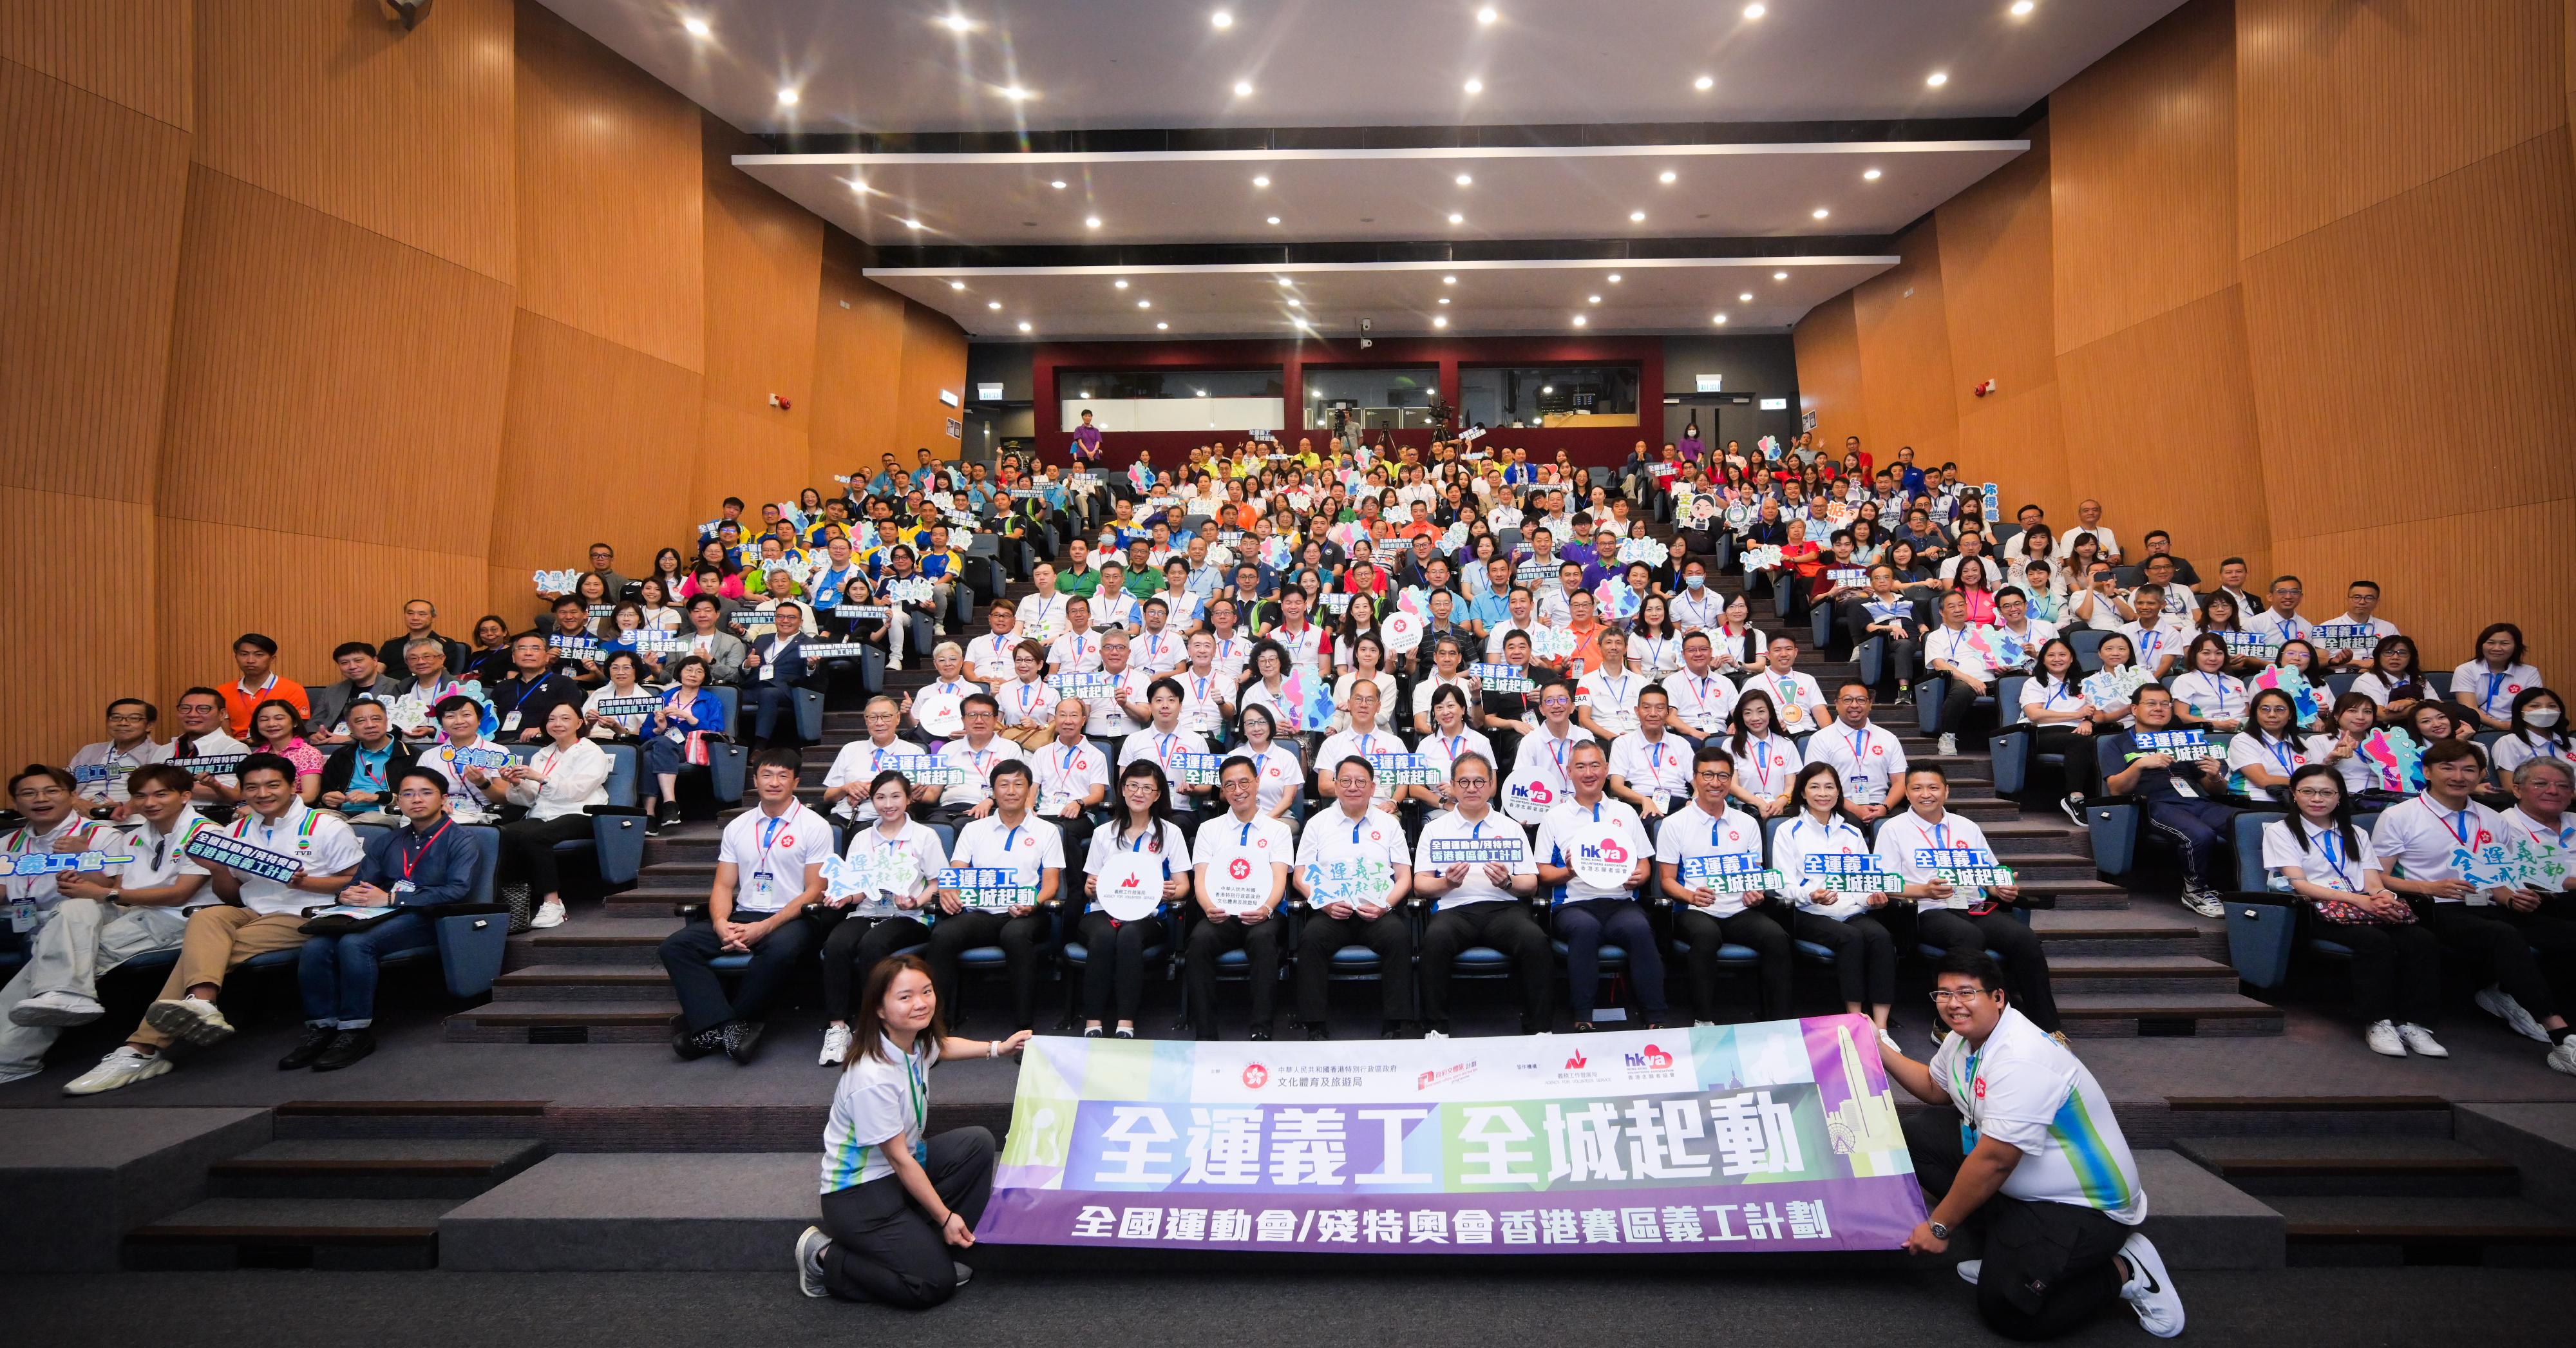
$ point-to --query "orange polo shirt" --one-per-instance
(239, 702)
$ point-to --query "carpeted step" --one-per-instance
(2383, 1167)
(641, 1021)
(2389, 1231)
(318, 1233)
(436, 1167)
(2148, 1015)
(2112, 975)
(586, 981)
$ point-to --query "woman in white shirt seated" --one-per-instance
(2488, 684)
(1448, 670)
(1283, 773)
(868, 927)
(2206, 696)
(2260, 761)
(624, 684)
(1028, 701)
(1265, 685)
(1114, 948)
(2367, 783)
(1847, 924)
(557, 785)
(2320, 855)
(2395, 679)
(1766, 762)
(2052, 700)
(2115, 654)
(2538, 729)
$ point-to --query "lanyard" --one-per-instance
(1761, 762)
(410, 858)
(1071, 755)
(1028, 693)
(769, 827)
(2456, 825)
(2332, 840)
(525, 688)
(2493, 679)
(2280, 751)
(1859, 750)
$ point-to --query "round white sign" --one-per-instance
(940, 713)
(1603, 860)
(1131, 885)
(1402, 630)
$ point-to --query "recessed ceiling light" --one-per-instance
(910, 223)
(1220, 19)
(1668, 177)
(1058, 184)
(1457, 219)
(1144, 304)
(958, 23)
(1704, 83)
(1016, 94)
(1487, 15)
(1243, 88)
(1261, 180)
(696, 27)
(859, 185)
(1779, 276)
(1119, 284)
(1578, 320)
(1024, 327)
(1286, 282)
(992, 304)
(1754, 11)
(1547, 388)
(1466, 179)
(1719, 320)
(1937, 78)
(2021, 8)
(1636, 217)
(787, 98)
(1745, 298)
(1614, 278)
(1475, 86)
(1869, 175)
(1296, 304)
(1444, 299)
(957, 285)
(1448, 280)
(1274, 219)
(1439, 322)
(1162, 327)
(1091, 222)
(1592, 299)
(1820, 212)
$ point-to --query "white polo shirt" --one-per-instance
(1067, 772)
(2324, 861)
(1802, 837)
(1953, 646)
(1612, 697)
(1351, 743)
(2420, 836)
(1869, 759)
(769, 855)
(1161, 652)
(988, 657)
(1701, 702)
(1796, 702)
(1373, 837)
(1767, 765)
(2024, 1089)
(1900, 836)
(1109, 717)
(975, 768)
(73, 834)
(1023, 703)
(1026, 849)
(1658, 769)
(1452, 826)
(858, 763)
(327, 847)
(1075, 652)
(2491, 690)
(1570, 825)
(1264, 840)
(161, 858)
(1689, 832)
(1281, 773)
(1174, 847)
(915, 838)
(876, 1104)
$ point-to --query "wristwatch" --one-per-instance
(1939, 1232)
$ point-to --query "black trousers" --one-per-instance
(2396, 970)
(1958, 698)
(528, 850)
(1504, 925)
(687, 952)
(1019, 938)
(853, 948)
(1750, 929)
(2502, 940)
(2082, 764)
(2025, 963)
(1864, 954)
(1590, 924)
(1387, 935)
(2049, 1267)
(884, 1247)
(1260, 943)
(1114, 963)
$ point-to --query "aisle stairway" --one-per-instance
(2122, 964)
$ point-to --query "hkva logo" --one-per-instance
(1255, 1076)
(1240, 869)
(1606, 850)
(1653, 1059)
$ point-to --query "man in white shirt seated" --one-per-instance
(2088, 519)
(1365, 739)
(2156, 635)
(974, 755)
(988, 657)
(845, 783)
(1480, 903)
(769, 872)
(2360, 609)
(256, 914)
(1959, 917)
(100, 919)
(2280, 620)
(202, 742)
(99, 771)
(1354, 830)
(1869, 759)
(2012, 617)
(1951, 651)
(1158, 649)
(2033, 1157)
(1650, 768)
(1078, 650)
(1701, 697)
(2157, 574)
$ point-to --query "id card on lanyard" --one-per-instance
(764, 881)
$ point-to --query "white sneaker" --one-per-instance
(2204, 902)
(189, 1020)
(549, 914)
(58, 1007)
(1970, 1270)
(836, 1046)
(2563, 1057)
(809, 1262)
(1435, 1034)
(1949, 745)
(1888, 1041)
(2383, 1039)
(2150, 1290)
(123, 1067)
(2496, 1002)
(2420, 1041)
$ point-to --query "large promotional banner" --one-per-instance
(1780, 1135)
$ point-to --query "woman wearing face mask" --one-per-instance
(2538, 730)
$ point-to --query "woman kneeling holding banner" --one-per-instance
(894, 1198)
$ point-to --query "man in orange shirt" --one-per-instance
(260, 681)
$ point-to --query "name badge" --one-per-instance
(22, 916)
(404, 887)
(510, 722)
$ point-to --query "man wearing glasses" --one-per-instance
(2033, 1156)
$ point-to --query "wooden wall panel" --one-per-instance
(131, 52)
(747, 454)
(55, 697)
(336, 106)
(2423, 585)
(2452, 305)
(858, 350)
(2340, 105)
(1995, 271)
(764, 265)
(1905, 352)
(934, 358)
(596, 446)
(609, 222)
(2017, 440)
(91, 197)
(2160, 426)
(346, 590)
(2142, 157)
(326, 381)
(1827, 341)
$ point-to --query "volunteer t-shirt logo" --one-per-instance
(1981, 1087)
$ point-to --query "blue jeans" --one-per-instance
(338, 973)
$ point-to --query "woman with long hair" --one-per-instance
(2324, 858)
(277, 728)
(1846, 924)
(877, 923)
(1766, 762)
(2052, 701)
(1114, 947)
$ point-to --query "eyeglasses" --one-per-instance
(1963, 995)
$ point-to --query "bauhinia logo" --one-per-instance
(1255, 1076)
(1577, 1062)
(1652, 1058)
(1240, 869)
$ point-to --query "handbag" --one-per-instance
(694, 749)
(2344, 913)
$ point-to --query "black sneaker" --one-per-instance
(346, 1048)
(653, 826)
(316, 1038)
(693, 1046)
(741, 1040)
